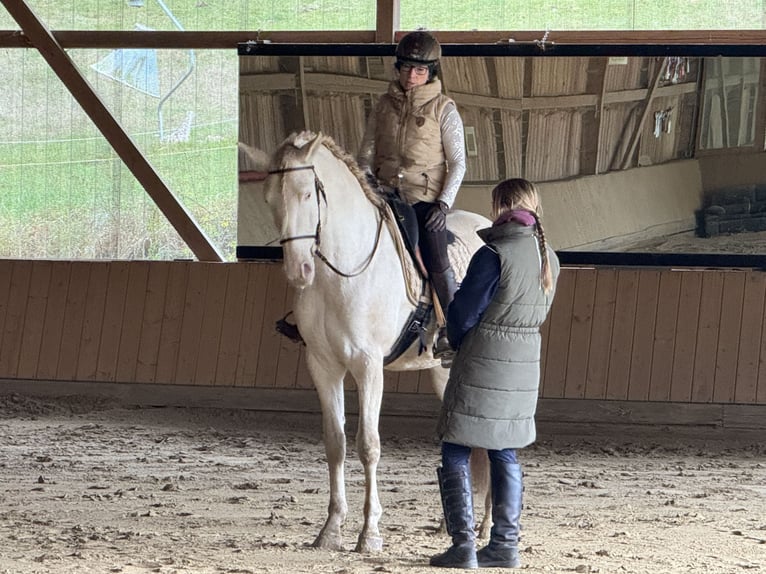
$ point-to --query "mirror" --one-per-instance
(631, 153)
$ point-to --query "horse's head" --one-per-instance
(295, 197)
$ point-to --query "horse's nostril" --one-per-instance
(306, 270)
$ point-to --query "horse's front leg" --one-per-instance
(328, 380)
(369, 379)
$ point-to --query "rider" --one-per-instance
(414, 145)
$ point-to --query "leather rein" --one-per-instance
(316, 236)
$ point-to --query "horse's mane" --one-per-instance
(291, 149)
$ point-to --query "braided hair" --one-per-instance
(518, 193)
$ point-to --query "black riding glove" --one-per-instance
(437, 217)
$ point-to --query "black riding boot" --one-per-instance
(445, 286)
(457, 500)
(503, 548)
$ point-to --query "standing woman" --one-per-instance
(491, 397)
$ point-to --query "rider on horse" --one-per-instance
(414, 147)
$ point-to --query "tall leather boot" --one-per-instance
(457, 501)
(503, 548)
(445, 285)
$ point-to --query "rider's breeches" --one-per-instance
(433, 245)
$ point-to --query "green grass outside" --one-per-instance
(65, 194)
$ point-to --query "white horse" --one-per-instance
(351, 302)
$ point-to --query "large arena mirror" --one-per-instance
(634, 151)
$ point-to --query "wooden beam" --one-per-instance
(220, 40)
(386, 20)
(644, 113)
(202, 40)
(83, 93)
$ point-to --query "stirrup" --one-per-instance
(443, 350)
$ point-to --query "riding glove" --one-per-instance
(437, 217)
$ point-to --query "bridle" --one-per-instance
(316, 236)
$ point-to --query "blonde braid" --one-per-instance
(546, 276)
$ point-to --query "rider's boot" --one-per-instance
(457, 501)
(507, 488)
(445, 285)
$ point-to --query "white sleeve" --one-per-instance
(453, 141)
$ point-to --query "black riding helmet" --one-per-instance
(419, 49)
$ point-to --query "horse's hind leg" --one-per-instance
(369, 381)
(328, 380)
(480, 475)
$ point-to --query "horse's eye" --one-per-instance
(305, 196)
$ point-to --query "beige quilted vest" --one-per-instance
(408, 146)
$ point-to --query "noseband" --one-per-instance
(319, 187)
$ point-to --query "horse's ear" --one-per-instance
(315, 144)
(303, 138)
(251, 159)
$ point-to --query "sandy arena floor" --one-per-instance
(92, 487)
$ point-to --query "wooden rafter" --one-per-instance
(60, 62)
(224, 40)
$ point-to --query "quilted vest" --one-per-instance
(491, 397)
(408, 145)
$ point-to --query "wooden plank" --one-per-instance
(621, 349)
(724, 385)
(390, 381)
(627, 161)
(69, 74)
(558, 341)
(71, 334)
(425, 382)
(6, 270)
(289, 352)
(212, 324)
(686, 336)
(232, 319)
(601, 334)
(580, 333)
(665, 335)
(114, 310)
(751, 340)
(191, 324)
(53, 328)
(643, 334)
(152, 320)
(18, 289)
(545, 332)
(93, 320)
(707, 337)
(132, 322)
(629, 413)
(271, 341)
(408, 382)
(252, 322)
(172, 319)
(34, 320)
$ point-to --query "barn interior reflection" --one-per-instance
(631, 153)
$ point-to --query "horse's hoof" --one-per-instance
(368, 544)
(328, 542)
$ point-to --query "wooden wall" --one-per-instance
(685, 336)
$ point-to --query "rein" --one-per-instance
(319, 187)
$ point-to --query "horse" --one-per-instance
(352, 303)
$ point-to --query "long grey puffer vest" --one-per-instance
(491, 396)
